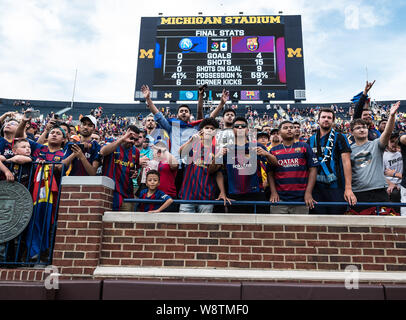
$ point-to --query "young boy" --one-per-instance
(202, 178)
(153, 193)
(17, 167)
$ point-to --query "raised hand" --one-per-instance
(146, 92)
(394, 108)
(225, 96)
(368, 87)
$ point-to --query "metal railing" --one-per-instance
(34, 246)
(377, 205)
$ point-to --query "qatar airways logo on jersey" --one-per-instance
(291, 163)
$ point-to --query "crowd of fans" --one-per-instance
(294, 156)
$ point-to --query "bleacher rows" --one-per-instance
(135, 109)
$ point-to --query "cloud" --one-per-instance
(42, 43)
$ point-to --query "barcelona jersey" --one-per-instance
(292, 173)
(243, 169)
(6, 148)
(197, 183)
(91, 155)
(120, 166)
(158, 195)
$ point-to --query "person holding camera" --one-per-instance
(85, 156)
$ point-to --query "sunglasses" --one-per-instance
(240, 126)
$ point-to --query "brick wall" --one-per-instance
(78, 236)
(26, 274)
(270, 245)
(89, 237)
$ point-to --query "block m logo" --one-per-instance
(146, 54)
(295, 53)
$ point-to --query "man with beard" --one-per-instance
(296, 126)
(225, 137)
(334, 176)
(294, 177)
(368, 179)
(274, 140)
(121, 160)
(87, 160)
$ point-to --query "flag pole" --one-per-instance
(74, 89)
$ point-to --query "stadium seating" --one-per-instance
(135, 109)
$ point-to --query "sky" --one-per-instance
(43, 43)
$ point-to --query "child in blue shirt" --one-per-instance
(153, 193)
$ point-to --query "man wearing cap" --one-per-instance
(275, 139)
(86, 161)
(31, 130)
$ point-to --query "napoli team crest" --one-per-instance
(252, 44)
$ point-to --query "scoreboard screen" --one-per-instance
(253, 57)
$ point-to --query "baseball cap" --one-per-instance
(75, 138)
(262, 134)
(34, 125)
(91, 118)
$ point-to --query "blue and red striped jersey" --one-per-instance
(243, 169)
(197, 183)
(292, 173)
(43, 153)
(91, 155)
(157, 195)
(120, 166)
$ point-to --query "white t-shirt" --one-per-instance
(393, 161)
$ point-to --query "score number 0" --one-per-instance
(179, 74)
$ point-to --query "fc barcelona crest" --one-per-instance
(252, 44)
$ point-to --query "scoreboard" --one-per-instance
(253, 57)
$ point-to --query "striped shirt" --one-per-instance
(292, 173)
(197, 183)
(157, 195)
(119, 166)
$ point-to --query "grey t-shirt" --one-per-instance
(367, 166)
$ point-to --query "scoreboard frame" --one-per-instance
(289, 28)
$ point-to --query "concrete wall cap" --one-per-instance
(256, 219)
(88, 181)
